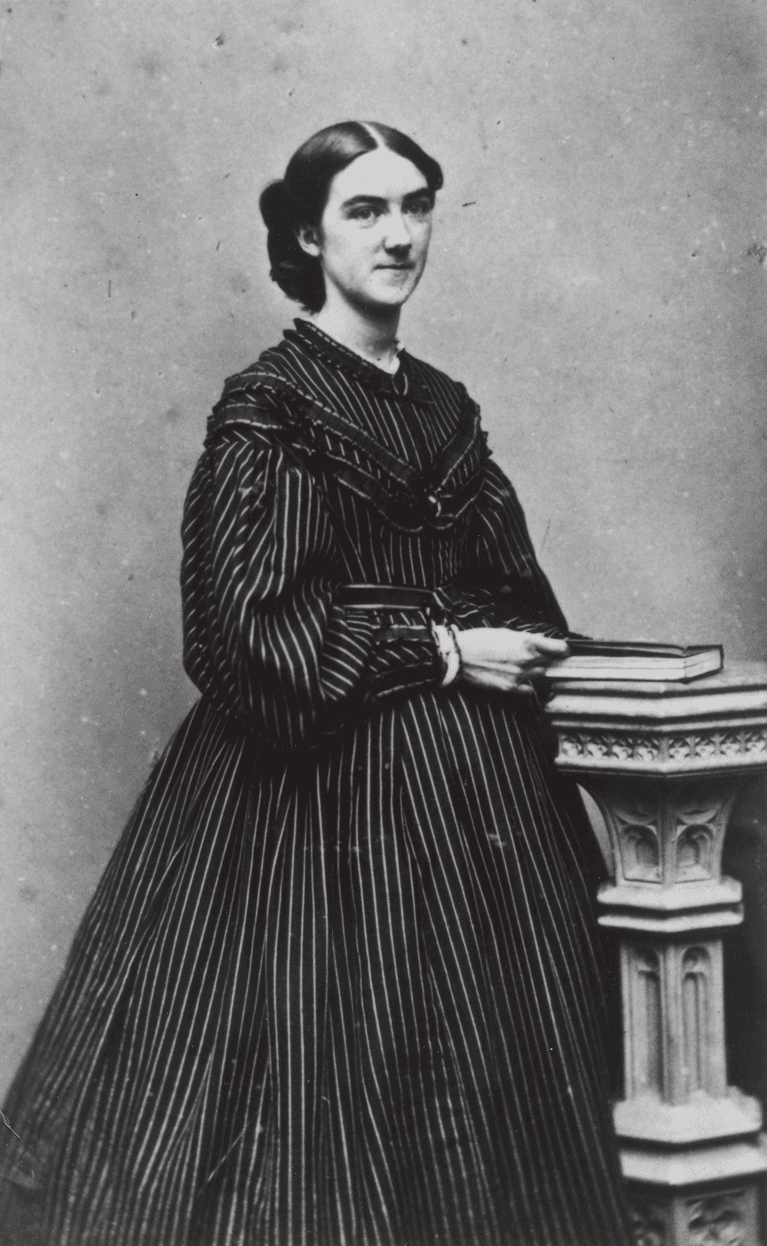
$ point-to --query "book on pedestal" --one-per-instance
(637, 660)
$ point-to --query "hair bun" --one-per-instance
(275, 205)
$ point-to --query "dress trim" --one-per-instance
(410, 498)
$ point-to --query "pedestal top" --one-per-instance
(739, 687)
(716, 723)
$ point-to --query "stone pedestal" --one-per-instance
(664, 762)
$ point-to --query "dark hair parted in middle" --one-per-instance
(301, 196)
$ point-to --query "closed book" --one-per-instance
(636, 660)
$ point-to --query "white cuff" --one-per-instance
(449, 652)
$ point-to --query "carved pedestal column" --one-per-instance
(664, 763)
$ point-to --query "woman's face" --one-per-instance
(373, 238)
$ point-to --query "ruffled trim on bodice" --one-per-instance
(269, 398)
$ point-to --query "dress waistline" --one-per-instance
(386, 597)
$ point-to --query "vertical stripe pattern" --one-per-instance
(339, 984)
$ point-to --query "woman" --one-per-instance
(338, 986)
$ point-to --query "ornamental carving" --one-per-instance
(695, 852)
(641, 853)
(635, 835)
(721, 1220)
(754, 742)
(648, 1223)
(597, 746)
(676, 837)
(622, 747)
(697, 746)
(696, 1002)
(679, 747)
(609, 744)
(732, 742)
(646, 749)
(570, 746)
(647, 1073)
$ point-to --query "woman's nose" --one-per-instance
(397, 233)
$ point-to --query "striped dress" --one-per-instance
(338, 985)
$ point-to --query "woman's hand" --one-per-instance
(507, 661)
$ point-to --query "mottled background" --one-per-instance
(596, 279)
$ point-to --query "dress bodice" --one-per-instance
(321, 469)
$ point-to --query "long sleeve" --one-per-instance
(500, 570)
(263, 635)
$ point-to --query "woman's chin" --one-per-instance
(392, 293)
(382, 302)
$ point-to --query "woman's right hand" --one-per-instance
(505, 660)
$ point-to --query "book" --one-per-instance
(636, 660)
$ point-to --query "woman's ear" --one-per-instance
(308, 239)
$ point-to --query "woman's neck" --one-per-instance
(374, 339)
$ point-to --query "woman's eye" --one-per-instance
(363, 214)
(421, 207)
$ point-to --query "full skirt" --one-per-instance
(350, 997)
